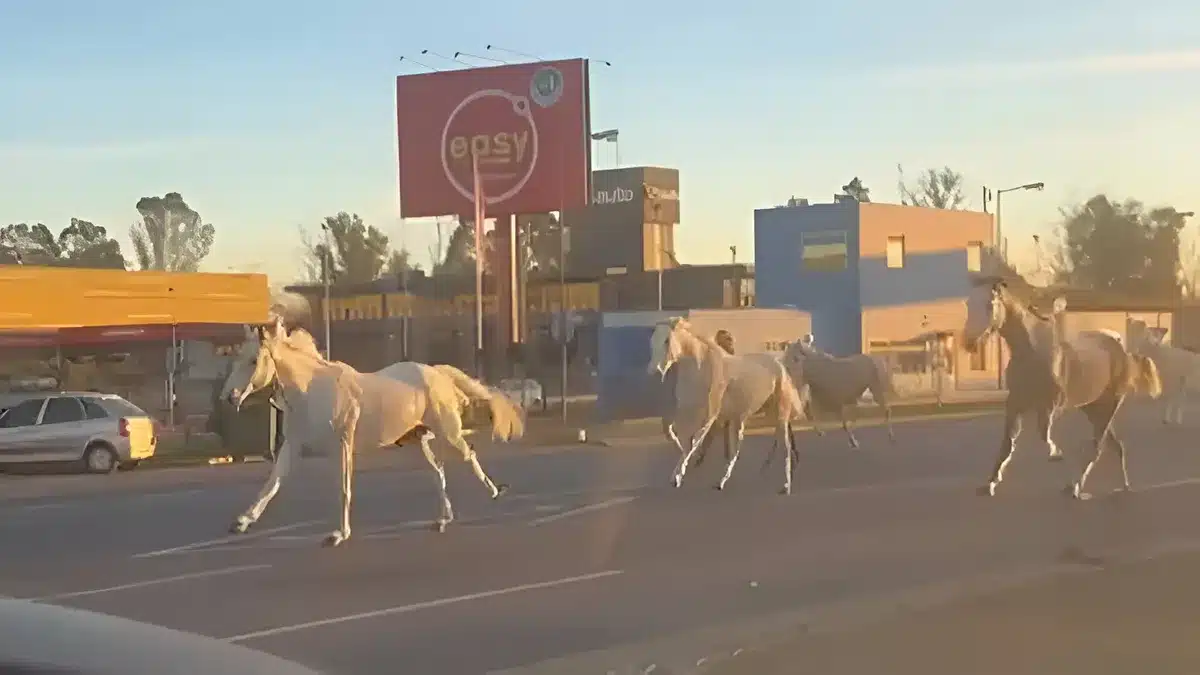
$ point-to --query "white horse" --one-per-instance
(724, 388)
(837, 383)
(1178, 368)
(364, 411)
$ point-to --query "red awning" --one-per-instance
(115, 335)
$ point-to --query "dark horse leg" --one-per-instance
(1101, 414)
(846, 426)
(702, 452)
(1012, 429)
(1045, 421)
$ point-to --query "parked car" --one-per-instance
(102, 432)
(527, 392)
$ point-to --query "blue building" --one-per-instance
(870, 275)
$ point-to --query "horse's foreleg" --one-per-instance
(1045, 421)
(279, 470)
(446, 513)
(348, 431)
(681, 467)
(739, 435)
(1012, 429)
(846, 427)
(1121, 453)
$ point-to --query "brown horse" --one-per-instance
(1047, 374)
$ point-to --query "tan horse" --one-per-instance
(364, 411)
(1046, 374)
(724, 387)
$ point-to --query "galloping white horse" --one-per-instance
(1178, 368)
(836, 383)
(723, 387)
(362, 411)
(1047, 374)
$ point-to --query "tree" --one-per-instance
(460, 250)
(360, 252)
(935, 188)
(1120, 246)
(171, 237)
(80, 244)
(399, 261)
(856, 190)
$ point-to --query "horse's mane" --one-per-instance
(1024, 295)
(680, 323)
(294, 308)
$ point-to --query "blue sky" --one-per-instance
(269, 115)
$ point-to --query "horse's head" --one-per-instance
(986, 311)
(252, 368)
(666, 345)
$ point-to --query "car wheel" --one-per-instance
(100, 459)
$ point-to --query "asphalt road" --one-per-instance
(591, 554)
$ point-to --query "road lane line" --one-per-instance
(1167, 484)
(150, 582)
(227, 539)
(580, 510)
(418, 606)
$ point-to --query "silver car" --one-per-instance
(101, 431)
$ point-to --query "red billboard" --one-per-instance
(527, 123)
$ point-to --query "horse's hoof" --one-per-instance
(500, 490)
(1056, 457)
(239, 527)
(334, 539)
(438, 526)
(677, 481)
(988, 490)
(719, 486)
(853, 445)
(785, 490)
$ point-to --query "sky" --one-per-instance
(269, 115)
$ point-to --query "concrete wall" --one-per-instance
(781, 279)
(1118, 321)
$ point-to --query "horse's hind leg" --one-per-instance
(740, 434)
(446, 514)
(1045, 420)
(1012, 429)
(846, 427)
(1101, 416)
(1121, 453)
(881, 398)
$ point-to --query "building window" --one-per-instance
(823, 251)
(974, 256)
(895, 252)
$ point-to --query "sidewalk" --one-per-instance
(1140, 617)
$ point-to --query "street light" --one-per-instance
(999, 233)
(612, 136)
(326, 273)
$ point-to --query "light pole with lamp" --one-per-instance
(1000, 233)
(326, 274)
(612, 136)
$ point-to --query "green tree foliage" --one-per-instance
(856, 190)
(360, 252)
(171, 237)
(1121, 246)
(80, 244)
(935, 188)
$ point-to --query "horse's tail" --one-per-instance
(1144, 376)
(507, 420)
(884, 380)
(787, 397)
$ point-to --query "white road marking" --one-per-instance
(41, 507)
(418, 606)
(167, 495)
(1166, 485)
(580, 510)
(227, 539)
(150, 582)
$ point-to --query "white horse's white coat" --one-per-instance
(1178, 368)
(332, 402)
(722, 387)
